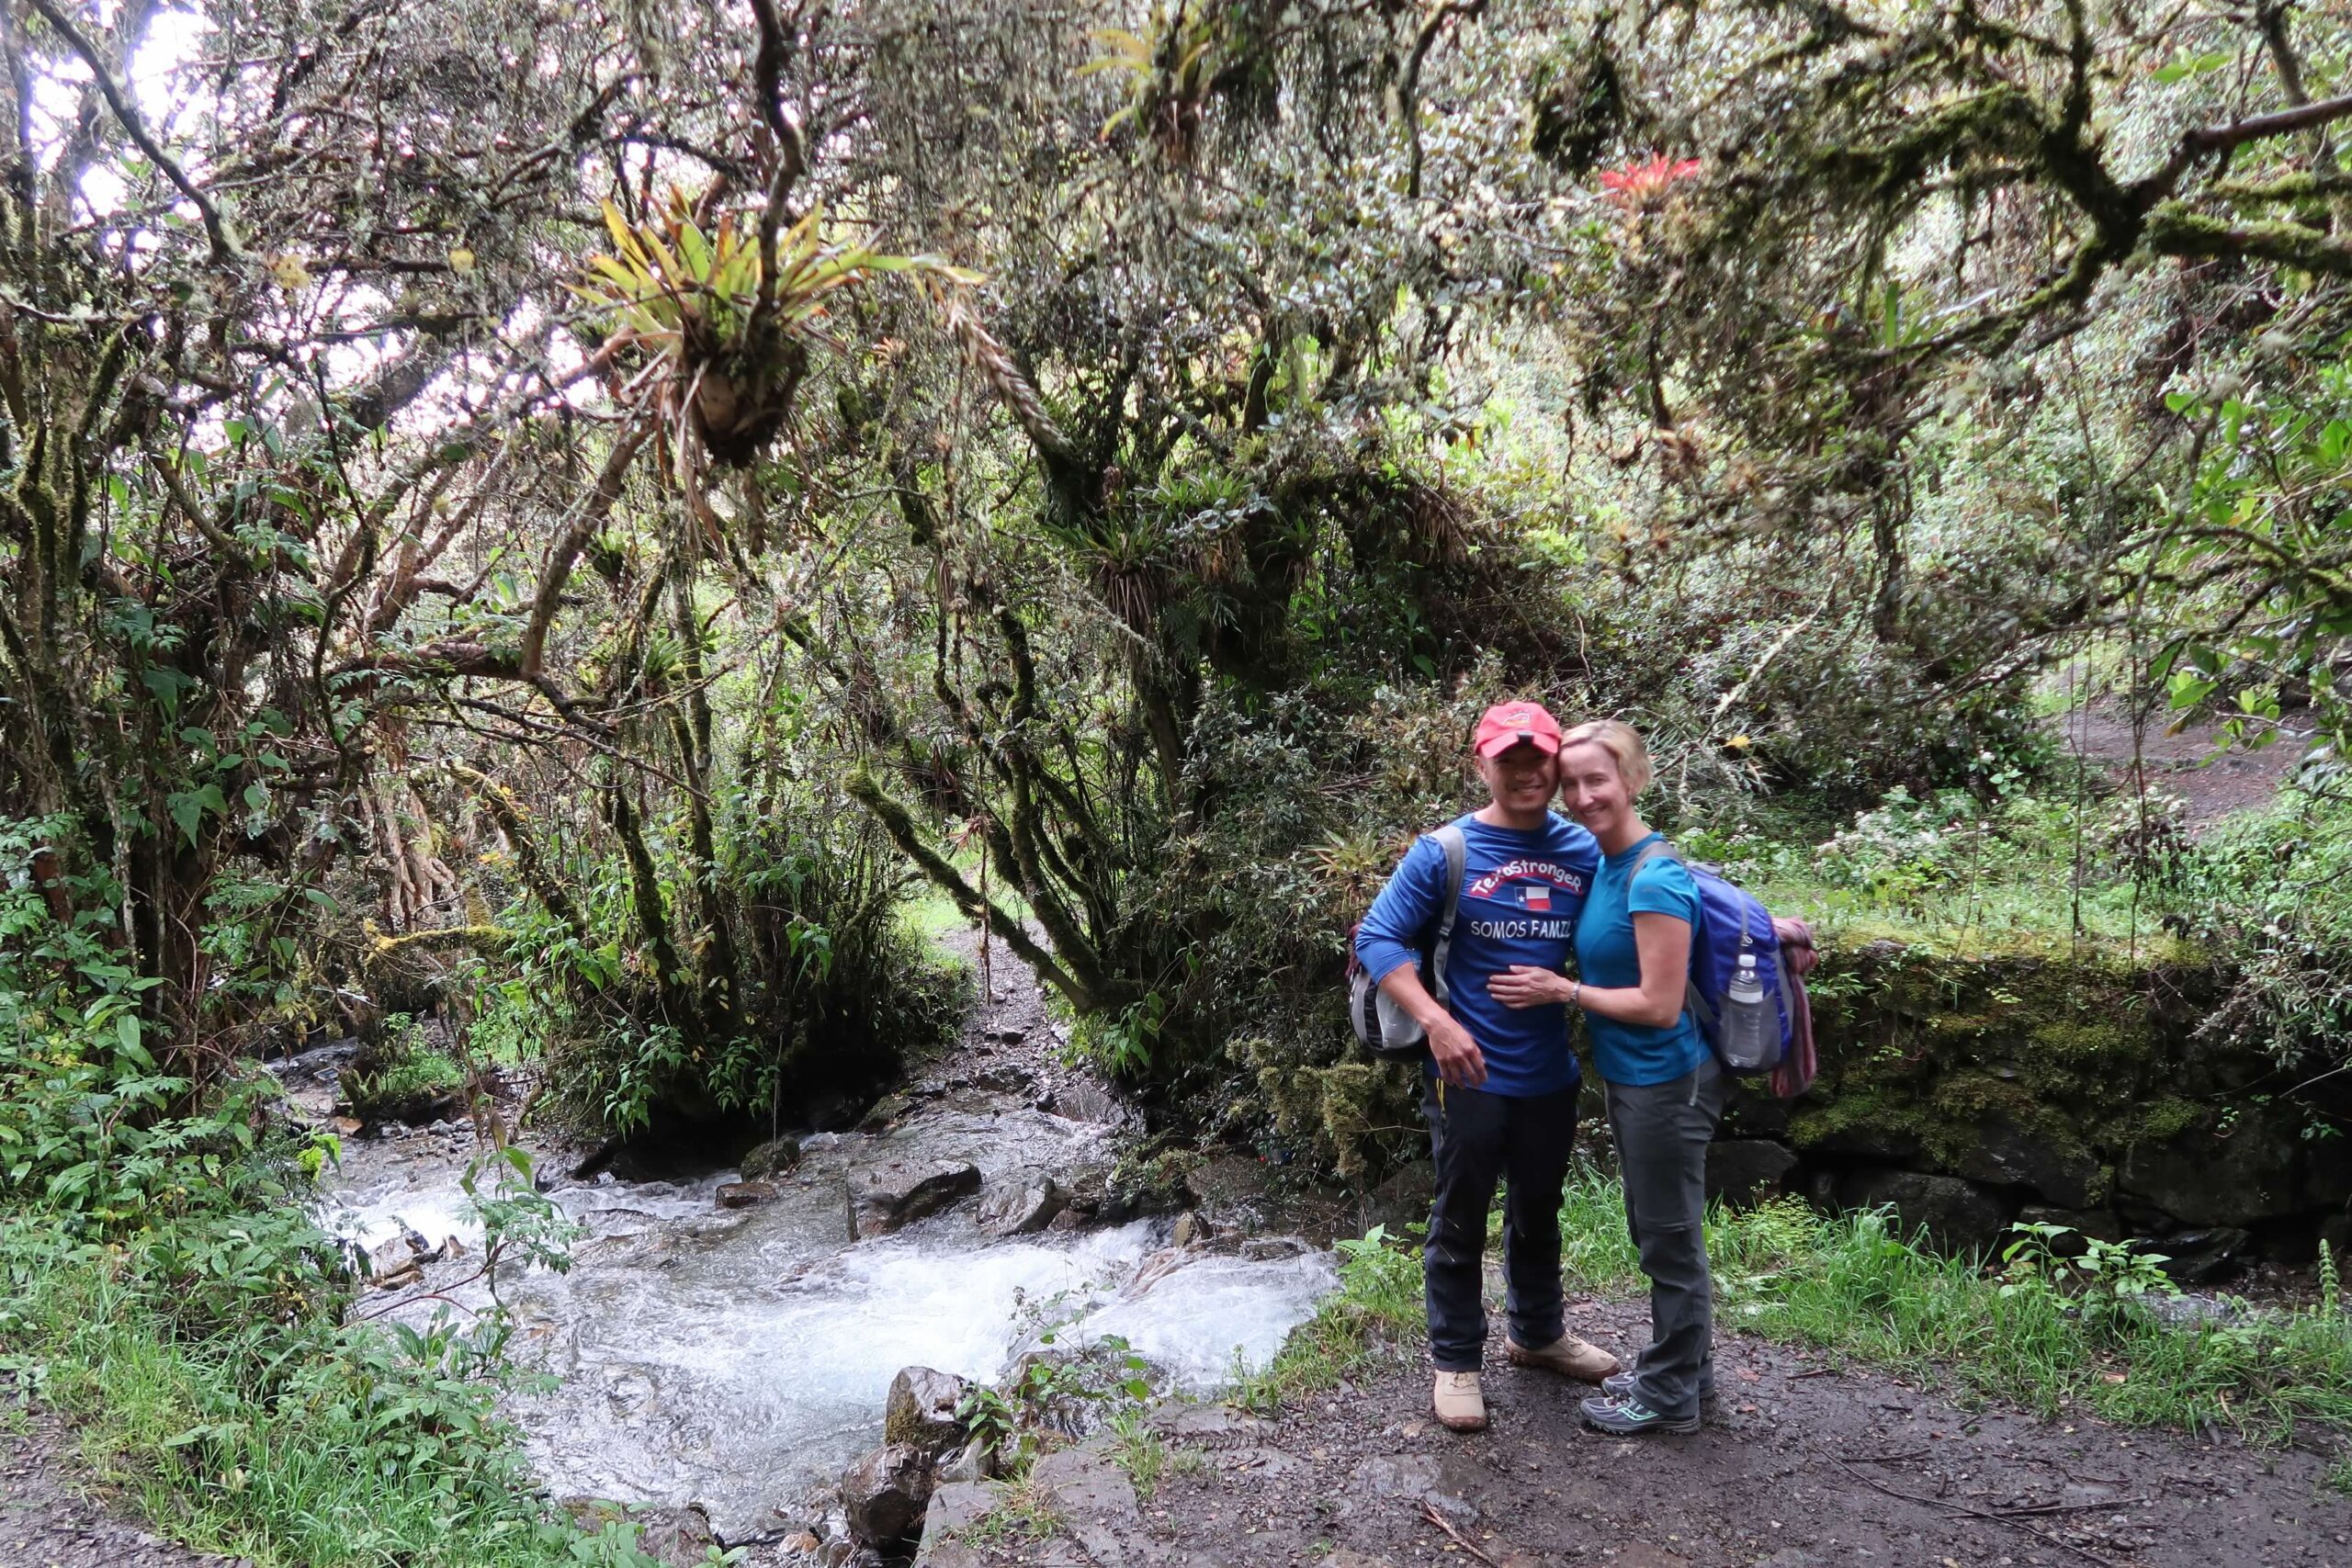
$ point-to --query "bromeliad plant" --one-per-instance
(1169, 70)
(721, 321)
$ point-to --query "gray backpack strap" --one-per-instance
(1693, 998)
(1457, 849)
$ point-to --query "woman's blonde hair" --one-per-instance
(1622, 741)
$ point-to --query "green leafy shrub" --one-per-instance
(164, 1281)
(836, 993)
(402, 1078)
(2272, 894)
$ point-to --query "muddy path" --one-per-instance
(53, 1514)
(1801, 1464)
(2213, 781)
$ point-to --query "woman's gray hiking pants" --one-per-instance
(1662, 1130)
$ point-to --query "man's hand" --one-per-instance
(1459, 1060)
(1521, 987)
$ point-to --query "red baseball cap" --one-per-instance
(1507, 724)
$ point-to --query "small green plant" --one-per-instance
(992, 1420)
(1120, 1047)
(1137, 1449)
(402, 1078)
(2106, 1272)
(1023, 1514)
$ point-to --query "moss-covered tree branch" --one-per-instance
(900, 824)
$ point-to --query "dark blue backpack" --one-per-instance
(1731, 922)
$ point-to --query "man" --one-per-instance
(1501, 1098)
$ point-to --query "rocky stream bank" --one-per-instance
(723, 1347)
(769, 1355)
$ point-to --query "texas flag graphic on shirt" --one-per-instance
(1536, 897)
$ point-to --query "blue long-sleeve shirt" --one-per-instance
(1522, 893)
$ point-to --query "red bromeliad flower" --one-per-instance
(1637, 184)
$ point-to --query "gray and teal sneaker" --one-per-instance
(1620, 1385)
(1628, 1417)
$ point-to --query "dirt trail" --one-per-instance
(1798, 1465)
(2191, 764)
(50, 1518)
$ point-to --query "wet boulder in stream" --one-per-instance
(922, 1409)
(742, 1194)
(884, 1197)
(1022, 1207)
(884, 1494)
(956, 1508)
(772, 1158)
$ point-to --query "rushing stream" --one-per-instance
(739, 1357)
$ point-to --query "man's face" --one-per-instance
(1522, 779)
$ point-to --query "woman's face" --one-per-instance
(1522, 779)
(1591, 787)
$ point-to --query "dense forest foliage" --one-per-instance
(564, 518)
(567, 539)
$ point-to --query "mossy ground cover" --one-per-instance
(1852, 1285)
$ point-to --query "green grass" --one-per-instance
(1852, 1285)
(421, 1071)
(1139, 1450)
(1950, 873)
(931, 914)
(1021, 1516)
(292, 1446)
(1361, 1326)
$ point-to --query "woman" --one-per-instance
(1633, 946)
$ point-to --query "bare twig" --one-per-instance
(2210, 139)
(2010, 1520)
(2101, 1507)
(1430, 1514)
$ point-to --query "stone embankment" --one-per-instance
(2045, 1084)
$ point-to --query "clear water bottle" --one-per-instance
(1751, 1035)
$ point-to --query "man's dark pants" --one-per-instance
(1475, 1139)
(1662, 1132)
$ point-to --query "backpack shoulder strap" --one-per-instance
(1651, 851)
(1693, 997)
(1456, 848)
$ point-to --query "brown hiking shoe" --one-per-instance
(1459, 1407)
(1568, 1355)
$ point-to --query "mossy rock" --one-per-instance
(422, 1086)
(1345, 1112)
(2034, 1064)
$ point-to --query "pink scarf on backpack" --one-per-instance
(1798, 955)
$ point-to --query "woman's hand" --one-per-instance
(1522, 986)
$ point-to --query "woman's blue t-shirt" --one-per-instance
(1634, 1054)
